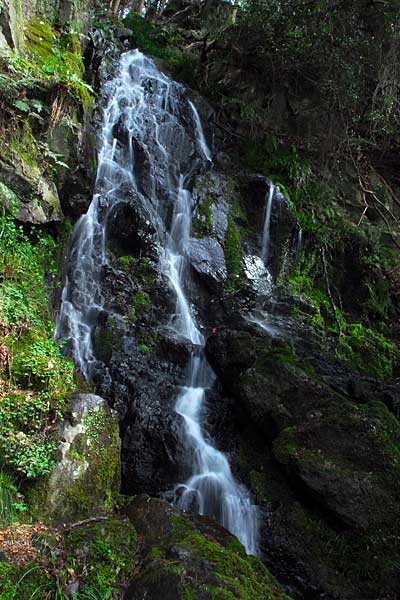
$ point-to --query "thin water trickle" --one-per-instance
(145, 113)
(267, 222)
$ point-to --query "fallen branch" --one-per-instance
(84, 522)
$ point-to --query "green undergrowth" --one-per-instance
(153, 40)
(35, 379)
(90, 562)
(11, 505)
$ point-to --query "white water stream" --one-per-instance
(267, 222)
(158, 122)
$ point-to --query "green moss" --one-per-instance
(368, 350)
(109, 549)
(242, 576)
(58, 57)
(202, 221)
(360, 346)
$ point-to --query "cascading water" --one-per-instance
(148, 115)
(267, 222)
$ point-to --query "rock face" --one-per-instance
(339, 457)
(193, 557)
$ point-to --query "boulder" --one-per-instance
(87, 475)
(193, 557)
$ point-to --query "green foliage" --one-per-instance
(40, 379)
(144, 348)
(99, 558)
(362, 347)
(301, 38)
(58, 57)
(10, 506)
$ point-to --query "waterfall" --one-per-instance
(299, 247)
(148, 114)
(267, 222)
(212, 489)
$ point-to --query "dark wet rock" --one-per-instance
(207, 258)
(122, 33)
(193, 557)
(73, 140)
(130, 228)
(153, 456)
(140, 374)
(212, 195)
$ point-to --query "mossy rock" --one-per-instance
(107, 339)
(25, 180)
(87, 477)
(194, 558)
